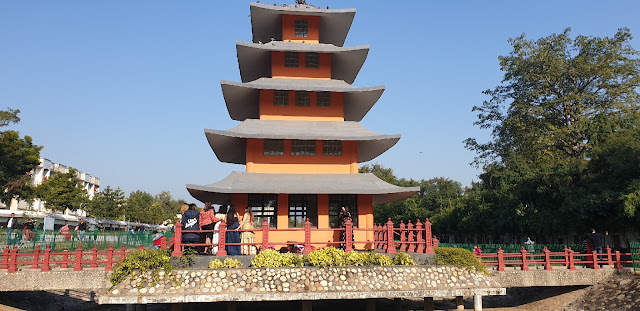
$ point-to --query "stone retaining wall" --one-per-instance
(59, 279)
(302, 283)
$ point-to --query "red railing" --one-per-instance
(408, 238)
(12, 259)
(567, 258)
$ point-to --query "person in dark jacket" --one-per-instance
(596, 241)
(190, 222)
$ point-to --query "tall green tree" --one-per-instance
(18, 156)
(109, 203)
(62, 191)
(170, 207)
(139, 207)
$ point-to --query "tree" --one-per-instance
(139, 205)
(62, 191)
(109, 204)
(170, 207)
(560, 101)
(18, 156)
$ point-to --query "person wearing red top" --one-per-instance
(207, 221)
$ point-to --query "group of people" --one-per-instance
(210, 220)
(28, 229)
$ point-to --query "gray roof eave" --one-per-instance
(254, 59)
(230, 145)
(242, 182)
(266, 22)
(242, 99)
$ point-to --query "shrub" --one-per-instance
(354, 258)
(329, 256)
(273, 259)
(375, 259)
(149, 260)
(402, 259)
(228, 263)
(458, 257)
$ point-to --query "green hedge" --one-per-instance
(458, 257)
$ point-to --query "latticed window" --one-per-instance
(336, 202)
(303, 99)
(281, 98)
(291, 59)
(303, 147)
(273, 147)
(312, 60)
(301, 28)
(264, 206)
(332, 147)
(323, 99)
(301, 207)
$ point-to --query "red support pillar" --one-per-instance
(222, 237)
(265, 234)
(572, 266)
(596, 265)
(123, 252)
(5, 258)
(307, 237)
(547, 258)
(94, 257)
(609, 257)
(348, 235)
(13, 265)
(36, 258)
(419, 230)
(431, 241)
(391, 247)
(78, 266)
(177, 241)
(109, 266)
(500, 259)
(411, 238)
(524, 253)
(618, 261)
(65, 259)
(403, 236)
(47, 258)
(375, 236)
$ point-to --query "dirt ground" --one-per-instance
(622, 292)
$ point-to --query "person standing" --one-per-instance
(81, 228)
(221, 216)
(190, 222)
(11, 224)
(596, 240)
(232, 236)
(65, 231)
(247, 237)
(207, 220)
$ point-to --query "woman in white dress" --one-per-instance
(221, 216)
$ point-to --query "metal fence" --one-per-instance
(634, 247)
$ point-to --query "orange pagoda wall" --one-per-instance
(292, 112)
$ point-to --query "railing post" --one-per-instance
(36, 258)
(265, 234)
(596, 266)
(13, 264)
(547, 259)
(65, 259)
(109, 266)
(523, 252)
(391, 247)
(123, 252)
(403, 236)
(47, 258)
(609, 257)
(436, 242)
(566, 256)
(420, 248)
(618, 261)
(383, 237)
(429, 239)
(78, 266)
(177, 241)
(307, 237)
(572, 266)
(5, 258)
(348, 236)
(411, 238)
(500, 259)
(222, 237)
(94, 259)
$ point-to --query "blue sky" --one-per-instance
(123, 90)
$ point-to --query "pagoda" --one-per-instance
(300, 139)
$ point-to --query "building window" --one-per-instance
(273, 147)
(303, 147)
(301, 28)
(264, 206)
(336, 202)
(303, 99)
(332, 147)
(291, 59)
(323, 99)
(312, 60)
(281, 98)
(301, 207)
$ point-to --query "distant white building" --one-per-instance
(47, 169)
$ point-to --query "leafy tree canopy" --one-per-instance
(62, 191)
(109, 203)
